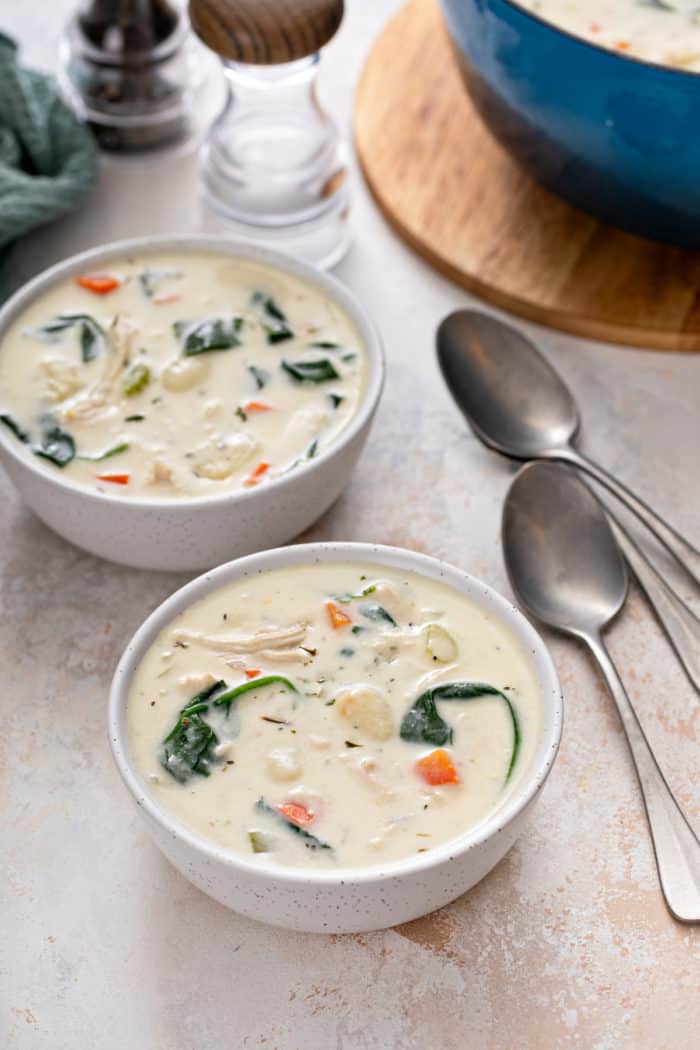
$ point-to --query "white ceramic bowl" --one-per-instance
(195, 533)
(341, 900)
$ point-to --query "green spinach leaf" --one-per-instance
(320, 371)
(216, 333)
(150, 279)
(377, 613)
(56, 444)
(272, 318)
(93, 340)
(188, 747)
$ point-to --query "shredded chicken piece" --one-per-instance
(281, 656)
(275, 639)
(95, 400)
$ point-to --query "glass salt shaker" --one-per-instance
(273, 163)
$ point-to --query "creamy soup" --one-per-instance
(663, 31)
(333, 714)
(176, 376)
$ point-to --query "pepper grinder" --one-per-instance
(134, 71)
(273, 162)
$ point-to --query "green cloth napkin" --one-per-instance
(48, 159)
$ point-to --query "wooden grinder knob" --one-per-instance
(268, 33)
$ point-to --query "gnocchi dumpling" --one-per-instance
(366, 709)
(219, 460)
(284, 764)
(184, 372)
(62, 379)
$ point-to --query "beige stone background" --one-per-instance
(566, 944)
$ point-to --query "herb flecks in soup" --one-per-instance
(190, 376)
(666, 32)
(333, 714)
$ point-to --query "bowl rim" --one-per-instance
(624, 56)
(237, 248)
(522, 793)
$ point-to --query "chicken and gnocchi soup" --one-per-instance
(333, 714)
(666, 32)
(165, 377)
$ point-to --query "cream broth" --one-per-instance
(355, 734)
(666, 32)
(177, 376)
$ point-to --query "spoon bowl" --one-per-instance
(511, 396)
(573, 586)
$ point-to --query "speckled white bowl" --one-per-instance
(186, 534)
(342, 900)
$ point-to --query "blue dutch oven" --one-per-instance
(615, 136)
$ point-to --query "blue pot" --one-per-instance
(615, 136)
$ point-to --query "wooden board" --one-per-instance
(456, 197)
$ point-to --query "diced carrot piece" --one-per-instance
(623, 45)
(257, 406)
(296, 813)
(337, 616)
(437, 768)
(116, 479)
(255, 477)
(252, 672)
(98, 283)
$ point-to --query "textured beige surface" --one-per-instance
(566, 944)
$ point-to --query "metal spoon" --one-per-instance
(517, 404)
(567, 571)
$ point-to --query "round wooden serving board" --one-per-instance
(456, 197)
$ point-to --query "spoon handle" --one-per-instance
(678, 621)
(683, 551)
(675, 844)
